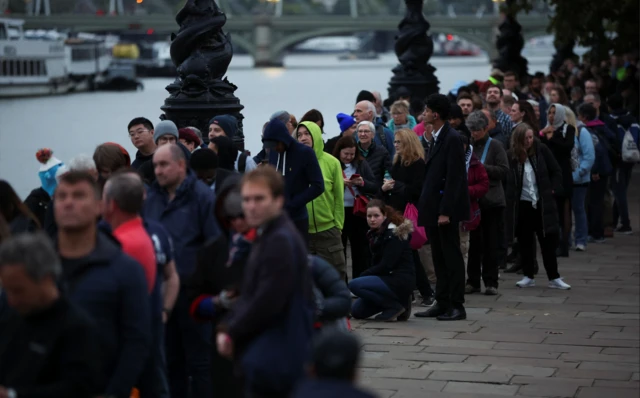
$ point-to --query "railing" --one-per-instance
(352, 8)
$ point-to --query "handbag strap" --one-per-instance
(486, 149)
(350, 189)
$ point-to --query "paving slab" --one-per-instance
(536, 342)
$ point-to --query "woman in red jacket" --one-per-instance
(478, 181)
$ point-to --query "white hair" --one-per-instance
(367, 123)
(82, 163)
(372, 107)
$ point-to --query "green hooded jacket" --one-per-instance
(327, 210)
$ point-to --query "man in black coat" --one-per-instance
(272, 320)
(48, 347)
(444, 203)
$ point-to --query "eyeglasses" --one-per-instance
(364, 131)
(137, 132)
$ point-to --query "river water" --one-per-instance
(77, 123)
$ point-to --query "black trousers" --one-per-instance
(355, 232)
(484, 249)
(530, 223)
(595, 208)
(448, 264)
(422, 281)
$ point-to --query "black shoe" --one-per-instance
(390, 315)
(454, 314)
(407, 313)
(513, 268)
(433, 312)
(428, 302)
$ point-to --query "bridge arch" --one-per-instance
(240, 41)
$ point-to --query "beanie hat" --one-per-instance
(165, 127)
(227, 123)
(365, 95)
(345, 121)
(456, 112)
(188, 135)
(49, 165)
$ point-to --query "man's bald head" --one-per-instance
(365, 111)
(170, 166)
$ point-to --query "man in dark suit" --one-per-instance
(444, 203)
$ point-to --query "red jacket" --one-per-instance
(478, 187)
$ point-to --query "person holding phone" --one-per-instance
(358, 180)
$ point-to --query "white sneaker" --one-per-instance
(527, 282)
(580, 248)
(558, 284)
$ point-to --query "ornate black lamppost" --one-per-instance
(414, 47)
(201, 53)
(510, 44)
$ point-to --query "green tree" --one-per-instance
(601, 25)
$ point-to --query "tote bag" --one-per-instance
(418, 236)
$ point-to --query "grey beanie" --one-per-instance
(165, 127)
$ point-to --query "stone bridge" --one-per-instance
(267, 38)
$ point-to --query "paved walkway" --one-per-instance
(534, 342)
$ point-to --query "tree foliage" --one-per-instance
(602, 25)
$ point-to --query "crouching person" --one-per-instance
(387, 285)
(333, 300)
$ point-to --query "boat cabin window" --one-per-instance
(3, 32)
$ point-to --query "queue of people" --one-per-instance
(192, 269)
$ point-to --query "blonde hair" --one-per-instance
(570, 118)
(400, 106)
(411, 148)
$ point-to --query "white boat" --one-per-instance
(30, 66)
(44, 63)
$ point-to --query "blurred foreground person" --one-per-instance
(47, 344)
(333, 368)
(269, 328)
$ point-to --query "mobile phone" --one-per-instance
(353, 177)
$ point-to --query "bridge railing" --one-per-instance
(352, 8)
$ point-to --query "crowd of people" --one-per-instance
(193, 269)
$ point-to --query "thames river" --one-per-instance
(77, 123)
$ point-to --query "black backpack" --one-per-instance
(242, 162)
(382, 135)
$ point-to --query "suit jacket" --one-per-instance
(445, 190)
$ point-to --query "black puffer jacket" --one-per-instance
(333, 299)
(561, 145)
(392, 258)
(379, 161)
(549, 181)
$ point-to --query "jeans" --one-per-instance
(530, 223)
(188, 353)
(302, 226)
(448, 263)
(620, 185)
(484, 249)
(597, 190)
(374, 296)
(580, 214)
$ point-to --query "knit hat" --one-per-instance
(189, 136)
(227, 123)
(345, 121)
(165, 127)
(365, 95)
(49, 164)
(456, 112)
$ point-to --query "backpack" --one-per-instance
(382, 135)
(575, 151)
(630, 152)
(242, 162)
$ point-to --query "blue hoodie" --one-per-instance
(300, 168)
(111, 287)
(188, 217)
